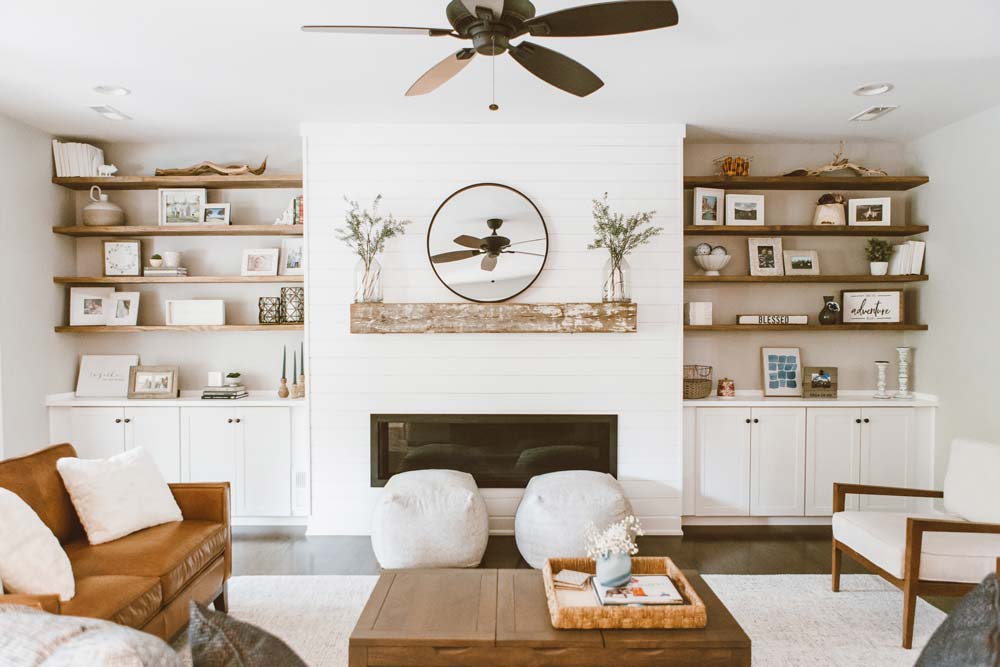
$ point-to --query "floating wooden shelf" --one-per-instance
(150, 280)
(156, 182)
(806, 327)
(180, 328)
(827, 183)
(182, 230)
(803, 230)
(735, 280)
(414, 318)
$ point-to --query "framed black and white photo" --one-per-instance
(89, 306)
(123, 258)
(153, 382)
(869, 212)
(872, 306)
(123, 309)
(801, 263)
(781, 370)
(260, 262)
(708, 206)
(819, 382)
(766, 257)
(182, 206)
(746, 210)
(291, 257)
(215, 214)
(104, 375)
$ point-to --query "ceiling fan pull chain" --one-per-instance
(493, 43)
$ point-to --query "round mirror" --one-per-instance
(487, 242)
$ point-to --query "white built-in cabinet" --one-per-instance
(103, 432)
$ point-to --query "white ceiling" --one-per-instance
(737, 70)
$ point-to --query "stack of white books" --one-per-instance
(907, 259)
(74, 159)
(165, 271)
(698, 313)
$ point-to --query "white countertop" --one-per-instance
(187, 399)
(845, 399)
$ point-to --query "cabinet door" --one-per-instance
(208, 436)
(723, 441)
(97, 433)
(158, 431)
(264, 442)
(887, 454)
(833, 454)
(777, 461)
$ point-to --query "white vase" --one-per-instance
(879, 268)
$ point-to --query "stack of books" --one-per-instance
(907, 258)
(228, 392)
(73, 159)
(165, 272)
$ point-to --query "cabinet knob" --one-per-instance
(238, 420)
(867, 420)
(756, 421)
(748, 421)
(858, 420)
(230, 420)
(128, 420)
(118, 421)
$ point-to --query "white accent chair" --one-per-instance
(556, 508)
(934, 553)
(430, 518)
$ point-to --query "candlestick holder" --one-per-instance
(881, 367)
(904, 374)
(302, 386)
(283, 389)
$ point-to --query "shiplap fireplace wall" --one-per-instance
(561, 168)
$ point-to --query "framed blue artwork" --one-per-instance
(781, 371)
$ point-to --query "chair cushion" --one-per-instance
(970, 484)
(219, 639)
(35, 479)
(969, 635)
(881, 538)
(173, 552)
(130, 601)
(32, 561)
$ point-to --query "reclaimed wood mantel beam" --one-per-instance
(413, 318)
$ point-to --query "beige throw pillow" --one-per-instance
(32, 562)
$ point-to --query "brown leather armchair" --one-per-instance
(145, 580)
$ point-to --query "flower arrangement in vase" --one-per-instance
(612, 550)
(620, 235)
(366, 233)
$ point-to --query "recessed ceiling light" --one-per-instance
(870, 89)
(117, 91)
(872, 113)
(109, 112)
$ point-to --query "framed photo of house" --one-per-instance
(123, 257)
(260, 262)
(291, 257)
(883, 306)
(766, 257)
(123, 309)
(708, 206)
(215, 214)
(153, 382)
(781, 371)
(869, 212)
(746, 210)
(819, 382)
(104, 375)
(801, 263)
(182, 206)
(89, 306)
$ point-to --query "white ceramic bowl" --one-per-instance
(712, 264)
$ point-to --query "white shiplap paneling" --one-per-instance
(561, 168)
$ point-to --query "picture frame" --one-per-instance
(869, 212)
(709, 206)
(766, 257)
(123, 257)
(153, 382)
(89, 306)
(801, 262)
(124, 309)
(819, 382)
(883, 306)
(215, 214)
(259, 262)
(781, 371)
(104, 375)
(292, 259)
(181, 206)
(745, 210)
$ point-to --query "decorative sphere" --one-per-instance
(719, 250)
(703, 249)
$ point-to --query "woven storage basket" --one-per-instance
(697, 381)
(594, 616)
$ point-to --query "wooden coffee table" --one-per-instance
(498, 618)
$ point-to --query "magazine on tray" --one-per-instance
(642, 589)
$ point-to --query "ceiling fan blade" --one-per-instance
(528, 241)
(469, 241)
(606, 18)
(521, 252)
(489, 263)
(453, 256)
(495, 6)
(442, 72)
(378, 30)
(556, 69)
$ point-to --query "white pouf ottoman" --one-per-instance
(430, 518)
(556, 509)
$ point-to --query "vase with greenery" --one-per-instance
(612, 550)
(366, 234)
(620, 235)
(878, 252)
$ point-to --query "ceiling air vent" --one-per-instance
(873, 113)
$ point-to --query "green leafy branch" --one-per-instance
(620, 235)
(367, 232)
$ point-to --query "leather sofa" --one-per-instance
(145, 580)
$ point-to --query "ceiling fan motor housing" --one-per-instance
(490, 36)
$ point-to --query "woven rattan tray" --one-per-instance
(580, 610)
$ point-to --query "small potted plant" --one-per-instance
(232, 379)
(612, 550)
(878, 252)
(366, 234)
(620, 235)
(156, 261)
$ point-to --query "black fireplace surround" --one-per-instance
(499, 451)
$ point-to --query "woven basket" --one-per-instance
(697, 381)
(584, 612)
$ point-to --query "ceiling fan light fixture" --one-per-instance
(114, 91)
(109, 112)
(873, 113)
(872, 89)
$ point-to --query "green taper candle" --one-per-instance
(284, 359)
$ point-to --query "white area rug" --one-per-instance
(791, 619)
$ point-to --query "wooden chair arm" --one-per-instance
(915, 529)
(840, 492)
(49, 603)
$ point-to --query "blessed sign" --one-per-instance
(884, 307)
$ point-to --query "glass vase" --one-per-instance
(368, 282)
(614, 570)
(617, 281)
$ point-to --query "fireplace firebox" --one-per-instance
(503, 451)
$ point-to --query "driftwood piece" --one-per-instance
(203, 168)
(414, 318)
(839, 163)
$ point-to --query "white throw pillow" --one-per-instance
(970, 483)
(117, 496)
(32, 562)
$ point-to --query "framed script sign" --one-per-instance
(104, 376)
(876, 307)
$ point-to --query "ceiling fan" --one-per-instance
(492, 24)
(491, 247)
